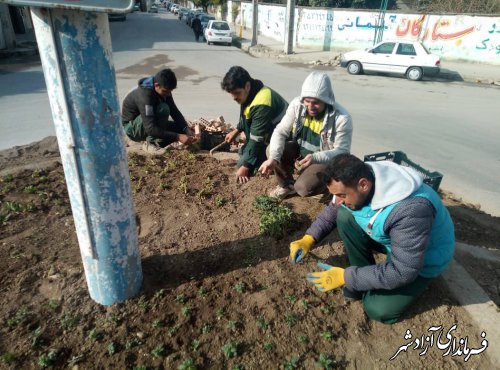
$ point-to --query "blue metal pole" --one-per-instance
(76, 54)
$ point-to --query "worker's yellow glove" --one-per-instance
(327, 280)
(299, 248)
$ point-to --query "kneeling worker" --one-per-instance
(146, 110)
(384, 207)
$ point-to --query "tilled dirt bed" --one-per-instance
(216, 293)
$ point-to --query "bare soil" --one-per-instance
(213, 286)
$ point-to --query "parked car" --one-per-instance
(407, 58)
(204, 18)
(153, 9)
(191, 15)
(218, 31)
(182, 13)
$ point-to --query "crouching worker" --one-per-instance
(261, 109)
(383, 207)
(146, 110)
(314, 130)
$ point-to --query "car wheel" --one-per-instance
(414, 73)
(229, 44)
(354, 68)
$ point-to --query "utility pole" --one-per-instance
(255, 22)
(289, 25)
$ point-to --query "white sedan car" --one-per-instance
(407, 58)
(218, 31)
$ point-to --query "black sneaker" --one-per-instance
(351, 295)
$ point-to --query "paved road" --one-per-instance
(451, 127)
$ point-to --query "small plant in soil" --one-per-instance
(7, 358)
(47, 360)
(181, 298)
(304, 339)
(230, 349)
(291, 364)
(292, 298)
(202, 292)
(157, 324)
(159, 294)
(188, 364)
(132, 343)
(268, 346)
(36, 337)
(325, 362)
(159, 351)
(183, 185)
(95, 335)
(30, 189)
(262, 323)
(220, 313)
(265, 203)
(186, 311)
(54, 304)
(207, 328)
(220, 201)
(327, 335)
(306, 304)
(232, 325)
(327, 309)
(111, 348)
(173, 330)
(292, 319)
(238, 367)
(240, 287)
(18, 317)
(277, 222)
(69, 322)
(195, 345)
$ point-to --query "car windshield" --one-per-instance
(220, 26)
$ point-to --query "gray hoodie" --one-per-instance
(336, 131)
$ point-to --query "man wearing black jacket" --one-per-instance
(146, 110)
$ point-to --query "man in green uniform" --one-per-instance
(261, 110)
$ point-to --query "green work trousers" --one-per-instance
(381, 305)
(136, 132)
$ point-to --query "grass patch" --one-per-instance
(276, 219)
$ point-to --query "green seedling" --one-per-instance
(36, 337)
(95, 335)
(291, 364)
(188, 364)
(186, 311)
(220, 201)
(304, 339)
(8, 178)
(265, 203)
(54, 304)
(131, 343)
(230, 349)
(220, 313)
(69, 322)
(207, 328)
(325, 362)
(327, 309)
(159, 294)
(30, 189)
(157, 324)
(292, 319)
(4, 219)
(18, 318)
(232, 325)
(159, 351)
(183, 185)
(277, 222)
(47, 360)
(262, 323)
(292, 298)
(143, 304)
(8, 358)
(306, 304)
(202, 292)
(173, 330)
(240, 287)
(112, 319)
(13, 207)
(208, 185)
(268, 346)
(239, 367)
(201, 195)
(76, 360)
(181, 298)
(195, 345)
(327, 335)
(111, 348)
